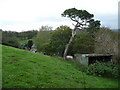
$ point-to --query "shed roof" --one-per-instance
(96, 55)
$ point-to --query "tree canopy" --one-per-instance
(59, 37)
(81, 17)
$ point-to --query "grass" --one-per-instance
(23, 41)
(24, 69)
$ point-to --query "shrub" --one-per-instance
(29, 44)
(103, 69)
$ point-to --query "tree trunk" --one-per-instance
(69, 43)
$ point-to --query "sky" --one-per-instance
(23, 15)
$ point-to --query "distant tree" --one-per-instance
(31, 33)
(83, 19)
(27, 34)
(42, 38)
(13, 38)
(45, 28)
(9, 38)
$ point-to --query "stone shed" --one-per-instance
(87, 59)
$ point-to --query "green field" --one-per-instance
(23, 41)
(24, 69)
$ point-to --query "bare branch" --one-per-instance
(73, 19)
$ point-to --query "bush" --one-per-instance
(29, 44)
(103, 69)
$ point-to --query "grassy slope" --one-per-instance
(30, 70)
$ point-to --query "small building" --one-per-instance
(88, 59)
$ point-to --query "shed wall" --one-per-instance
(84, 60)
(87, 59)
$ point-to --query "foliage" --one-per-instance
(24, 69)
(81, 17)
(25, 35)
(45, 28)
(9, 38)
(59, 39)
(93, 25)
(75, 14)
(42, 38)
(14, 39)
(103, 69)
(82, 43)
(29, 44)
(106, 42)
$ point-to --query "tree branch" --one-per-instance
(73, 19)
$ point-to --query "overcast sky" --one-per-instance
(22, 15)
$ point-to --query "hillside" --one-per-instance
(24, 69)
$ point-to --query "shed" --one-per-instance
(87, 59)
